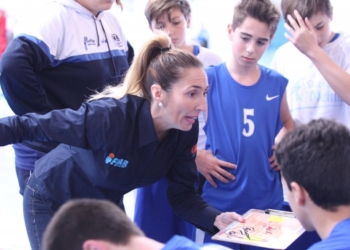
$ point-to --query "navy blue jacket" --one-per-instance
(60, 58)
(110, 148)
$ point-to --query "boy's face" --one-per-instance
(95, 6)
(249, 41)
(295, 199)
(321, 24)
(175, 26)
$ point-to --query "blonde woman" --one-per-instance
(126, 137)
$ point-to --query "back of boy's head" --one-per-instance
(88, 219)
(154, 8)
(317, 157)
(306, 8)
(263, 10)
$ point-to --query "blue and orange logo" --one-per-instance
(194, 150)
(112, 160)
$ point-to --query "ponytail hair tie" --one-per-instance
(164, 49)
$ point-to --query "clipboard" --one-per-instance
(274, 229)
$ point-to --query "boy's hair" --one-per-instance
(317, 157)
(262, 10)
(154, 8)
(306, 8)
(85, 219)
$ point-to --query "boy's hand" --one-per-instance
(273, 162)
(302, 33)
(209, 166)
(224, 219)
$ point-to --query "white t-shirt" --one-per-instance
(308, 93)
(208, 58)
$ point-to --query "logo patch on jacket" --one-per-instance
(112, 160)
(116, 40)
(194, 150)
(88, 42)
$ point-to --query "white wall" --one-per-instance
(214, 15)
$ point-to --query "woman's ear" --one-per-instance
(157, 93)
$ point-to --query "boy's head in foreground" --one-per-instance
(89, 224)
(315, 164)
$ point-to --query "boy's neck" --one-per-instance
(186, 47)
(324, 221)
(244, 75)
(141, 243)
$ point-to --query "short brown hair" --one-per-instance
(154, 8)
(306, 8)
(316, 155)
(262, 10)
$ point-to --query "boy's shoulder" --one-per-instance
(271, 73)
(208, 57)
(216, 69)
(286, 49)
(343, 42)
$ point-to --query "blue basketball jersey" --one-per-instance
(242, 124)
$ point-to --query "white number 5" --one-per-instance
(249, 122)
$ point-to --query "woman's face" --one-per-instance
(186, 99)
(96, 6)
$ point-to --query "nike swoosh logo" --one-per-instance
(269, 98)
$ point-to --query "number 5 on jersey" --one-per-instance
(250, 124)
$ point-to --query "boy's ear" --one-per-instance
(230, 31)
(299, 194)
(331, 17)
(94, 245)
(188, 20)
(271, 39)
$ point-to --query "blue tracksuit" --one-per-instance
(111, 147)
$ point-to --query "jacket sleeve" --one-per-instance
(21, 88)
(88, 127)
(33, 50)
(183, 198)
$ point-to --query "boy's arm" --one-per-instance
(288, 125)
(209, 166)
(304, 39)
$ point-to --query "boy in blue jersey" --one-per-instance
(247, 108)
(85, 224)
(314, 160)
